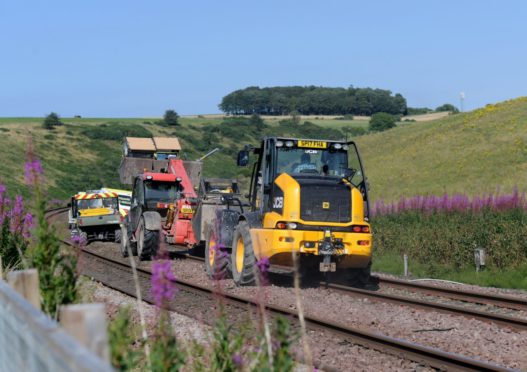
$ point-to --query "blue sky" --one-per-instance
(126, 58)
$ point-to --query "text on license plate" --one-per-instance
(313, 144)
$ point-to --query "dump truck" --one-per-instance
(308, 198)
(95, 215)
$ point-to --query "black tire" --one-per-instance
(243, 261)
(216, 259)
(361, 278)
(117, 235)
(309, 268)
(147, 242)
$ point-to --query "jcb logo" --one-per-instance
(278, 202)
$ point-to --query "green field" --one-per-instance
(472, 153)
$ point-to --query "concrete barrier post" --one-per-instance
(26, 283)
(87, 323)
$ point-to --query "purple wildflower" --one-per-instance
(78, 241)
(263, 268)
(237, 360)
(28, 225)
(450, 203)
(32, 170)
(15, 215)
(163, 286)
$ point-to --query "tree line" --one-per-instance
(312, 100)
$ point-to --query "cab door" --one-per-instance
(136, 205)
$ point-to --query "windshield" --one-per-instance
(160, 191)
(97, 203)
(124, 200)
(312, 161)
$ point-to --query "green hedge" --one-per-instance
(448, 239)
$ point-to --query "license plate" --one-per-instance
(313, 144)
(325, 267)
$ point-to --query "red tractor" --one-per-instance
(161, 210)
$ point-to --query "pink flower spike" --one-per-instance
(163, 282)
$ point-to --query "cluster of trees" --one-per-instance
(425, 110)
(312, 100)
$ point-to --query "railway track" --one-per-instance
(407, 350)
(425, 355)
(472, 297)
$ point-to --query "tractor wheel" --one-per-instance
(126, 245)
(117, 235)
(243, 261)
(216, 259)
(147, 242)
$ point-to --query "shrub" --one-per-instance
(445, 230)
(447, 107)
(171, 118)
(115, 131)
(51, 121)
(354, 131)
(382, 121)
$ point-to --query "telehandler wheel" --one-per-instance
(147, 242)
(243, 261)
(117, 235)
(126, 243)
(361, 278)
(216, 259)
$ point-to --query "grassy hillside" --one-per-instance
(85, 153)
(474, 152)
(471, 153)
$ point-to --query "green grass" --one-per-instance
(511, 278)
(475, 152)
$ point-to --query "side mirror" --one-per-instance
(349, 173)
(243, 158)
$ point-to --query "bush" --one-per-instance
(51, 121)
(354, 131)
(382, 121)
(447, 107)
(171, 118)
(116, 131)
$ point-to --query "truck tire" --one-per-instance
(243, 261)
(126, 245)
(216, 259)
(147, 242)
(117, 235)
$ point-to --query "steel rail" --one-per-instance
(467, 296)
(504, 320)
(401, 348)
(462, 295)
